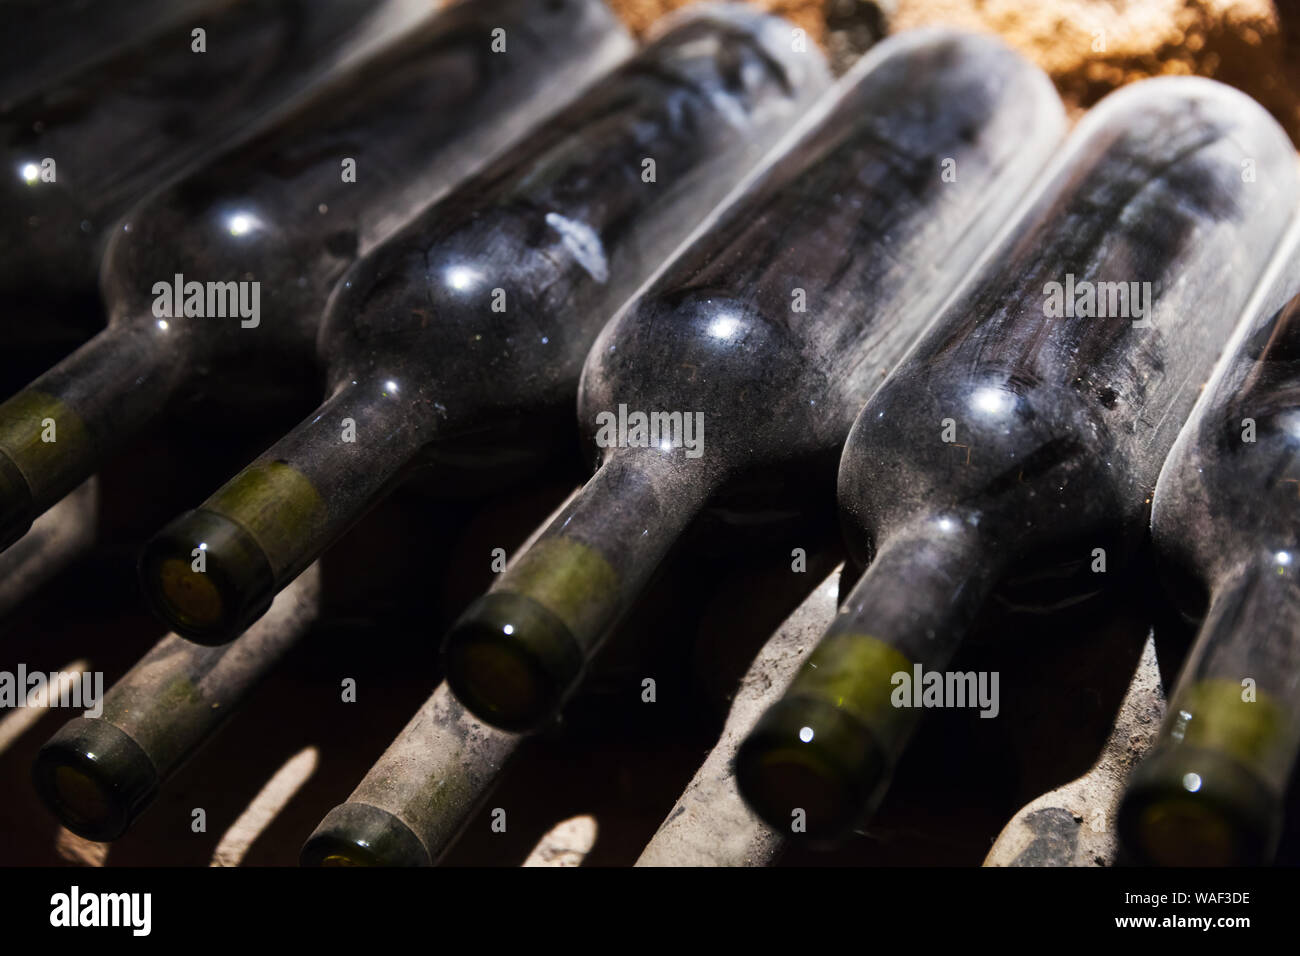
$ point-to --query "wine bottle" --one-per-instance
(1226, 523)
(1021, 439)
(417, 798)
(711, 825)
(459, 342)
(79, 152)
(98, 774)
(271, 226)
(40, 48)
(771, 331)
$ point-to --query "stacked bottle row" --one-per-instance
(994, 337)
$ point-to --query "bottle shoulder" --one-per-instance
(1030, 460)
(763, 391)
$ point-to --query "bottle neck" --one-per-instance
(619, 528)
(907, 615)
(213, 571)
(824, 753)
(1211, 790)
(1237, 693)
(299, 496)
(56, 432)
(520, 650)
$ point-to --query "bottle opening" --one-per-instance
(206, 577)
(1181, 833)
(81, 800)
(190, 597)
(810, 771)
(1191, 806)
(500, 681)
(358, 834)
(94, 778)
(511, 662)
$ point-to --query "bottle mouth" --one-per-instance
(1192, 806)
(94, 778)
(206, 577)
(810, 770)
(358, 834)
(511, 662)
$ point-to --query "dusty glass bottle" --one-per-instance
(1018, 445)
(1225, 520)
(217, 284)
(459, 342)
(760, 344)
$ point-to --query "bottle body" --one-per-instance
(1018, 444)
(753, 351)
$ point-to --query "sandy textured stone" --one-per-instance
(711, 825)
(1088, 47)
(1074, 825)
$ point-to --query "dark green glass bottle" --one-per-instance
(1226, 523)
(1018, 445)
(254, 242)
(97, 774)
(78, 152)
(764, 339)
(458, 343)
